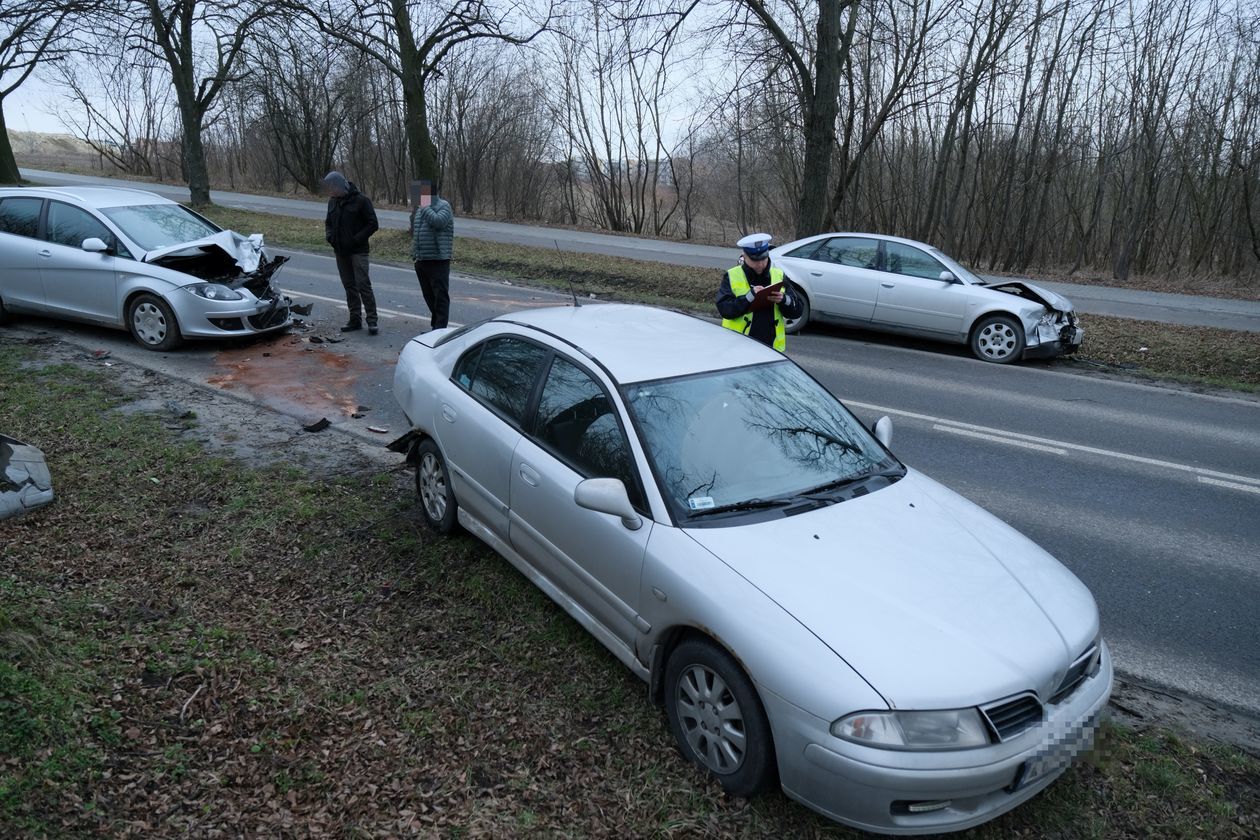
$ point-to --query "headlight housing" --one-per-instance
(215, 291)
(949, 729)
(1050, 318)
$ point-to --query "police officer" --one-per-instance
(762, 317)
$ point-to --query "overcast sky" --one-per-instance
(33, 107)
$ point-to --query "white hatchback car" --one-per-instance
(807, 609)
(132, 259)
(902, 286)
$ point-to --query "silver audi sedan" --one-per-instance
(902, 286)
(132, 259)
(809, 611)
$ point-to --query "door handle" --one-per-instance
(816, 274)
(529, 475)
(45, 253)
(888, 285)
(448, 413)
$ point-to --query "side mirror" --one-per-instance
(883, 430)
(948, 277)
(607, 495)
(95, 245)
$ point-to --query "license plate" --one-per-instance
(1057, 754)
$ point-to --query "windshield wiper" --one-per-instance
(891, 473)
(747, 504)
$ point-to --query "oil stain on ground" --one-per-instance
(293, 376)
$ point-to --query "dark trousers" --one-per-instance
(353, 269)
(435, 285)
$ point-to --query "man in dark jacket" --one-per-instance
(351, 220)
(432, 235)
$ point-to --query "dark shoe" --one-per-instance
(372, 330)
(352, 326)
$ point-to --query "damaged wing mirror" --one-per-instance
(948, 277)
(607, 495)
(883, 430)
(95, 245)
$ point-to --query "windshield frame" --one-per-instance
(791, 503)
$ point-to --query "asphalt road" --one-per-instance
(1151, 495)
(1100, 300)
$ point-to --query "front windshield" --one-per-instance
(153, 226)
(960, 271)
(750, 434)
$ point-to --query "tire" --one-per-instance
(152, 323)
(433, 487)
(795, 325)
(717, 719)
(998, 339)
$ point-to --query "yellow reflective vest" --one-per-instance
(742, 324)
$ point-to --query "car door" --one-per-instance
(592, 558)
(20, 285)
(842, 273)
(913, 298)
(77, 283)
(479, 423)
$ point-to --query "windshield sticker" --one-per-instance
(700, 502)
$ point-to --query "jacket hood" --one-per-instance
(936, 603)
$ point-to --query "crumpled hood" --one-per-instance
(246, 251)
(936, 603)
(1031, 291)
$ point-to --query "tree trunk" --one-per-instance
(195, 159)
(8, 164)
(820, 122)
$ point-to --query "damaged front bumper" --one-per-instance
(25, 482)
(1054, 337)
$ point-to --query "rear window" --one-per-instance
(502, 373)
(20, 216)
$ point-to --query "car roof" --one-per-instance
(796, 243)
(96, 197)
(642, 343)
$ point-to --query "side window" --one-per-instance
(904, 259)
(503, 374)
(577, 420)
(852, 251)
(70, 225)
(20, 215)
(806, 252)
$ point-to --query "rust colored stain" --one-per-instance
(298, 378)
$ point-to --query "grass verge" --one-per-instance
(1194, 355)
(195, 646)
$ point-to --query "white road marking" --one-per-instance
(998, 439)
(392, 313)
(1230, 484)
(1076, 447)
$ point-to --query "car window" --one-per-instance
(806, 251)
(910, 261)
(503, 374)
(20, 215)
(153, 226)
(576, 420)
(852, 251)
(70, 225)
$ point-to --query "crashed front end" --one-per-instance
(237, 293)
(1054, 331)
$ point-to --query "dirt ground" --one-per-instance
(228, 425)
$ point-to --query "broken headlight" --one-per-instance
(1050, 318)
(213, 291)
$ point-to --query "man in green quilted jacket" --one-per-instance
(432, 236)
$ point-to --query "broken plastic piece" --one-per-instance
(301, 308)
(319, 425)
(25, 482)
(380, 430)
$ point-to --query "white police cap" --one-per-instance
(755, 244)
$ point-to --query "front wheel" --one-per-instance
(433, 486)
(792, 326)
(717, 719)
(152, 323)
(998, 339)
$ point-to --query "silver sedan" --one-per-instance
(902, 286)
(809, 611)
(132, 259)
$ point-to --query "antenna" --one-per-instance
(572, 290)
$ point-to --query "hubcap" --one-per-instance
(711, 720)
(997, 341)
(432, 487)
(150, 323)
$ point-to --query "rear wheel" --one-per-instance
(152, 323)
(433, 486)
(792, 326)
(998, 339)
(717, 719)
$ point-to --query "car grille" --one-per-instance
(1086, 665)
(1009, 718)
(275, 315)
